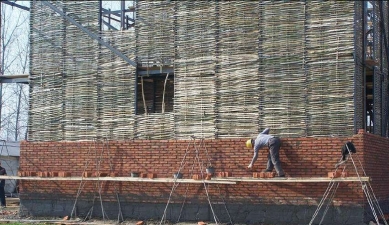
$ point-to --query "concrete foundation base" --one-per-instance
(234, 213)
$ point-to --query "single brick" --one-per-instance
(151, 175)
(113, 174)
(344, 174)
(334, 174)
(53, 174)
(100, 174)
(270, 174)
(86, 174)
(64, 174)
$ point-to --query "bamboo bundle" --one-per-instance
(284, 81)
(330, 73)
(359, 54)
(116, 79)
(194, 69)
(155, 126)
(80, 85)
(46, 74)
(155, 32)
(238, 74)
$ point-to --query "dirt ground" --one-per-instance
(10, 214)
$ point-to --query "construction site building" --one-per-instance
(157, 87)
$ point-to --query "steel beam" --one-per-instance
(89, 33)
(16, 5)
(109, 25)
(155, 71)
(21, 79)
(116, 13)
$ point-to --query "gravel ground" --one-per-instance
(11, 214)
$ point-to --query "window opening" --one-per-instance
(155, 94)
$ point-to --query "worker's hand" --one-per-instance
(250, 166)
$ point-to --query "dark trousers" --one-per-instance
(273, 158)
(2, 196)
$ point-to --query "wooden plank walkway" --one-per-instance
(217, 180)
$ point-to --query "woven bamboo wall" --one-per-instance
(283, 61)
(47, 76)
(194, 69)
(154, 46)
(79, 90)
(330, 68)
(116, 86)
(359, 118)
(238, 75)
(80, 67)
(239, 66)
(155, 32)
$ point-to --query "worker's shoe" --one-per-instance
(280, 175)
(266, 171)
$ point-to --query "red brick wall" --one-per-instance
(302, 157)
(376, 163)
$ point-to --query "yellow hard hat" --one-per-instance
(249, 144)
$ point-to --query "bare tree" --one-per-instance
(14, 60)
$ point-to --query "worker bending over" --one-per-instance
(273, 157)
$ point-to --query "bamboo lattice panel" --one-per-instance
(155, 126)
(47, 73)
(359, 67)
(282, 65)
(239, 66)
(155, 46)
(330, 68)
(80, 63)
(194, 69)
(155, 32)
(116, 79)
(238, 81)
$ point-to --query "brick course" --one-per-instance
(301, 157)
